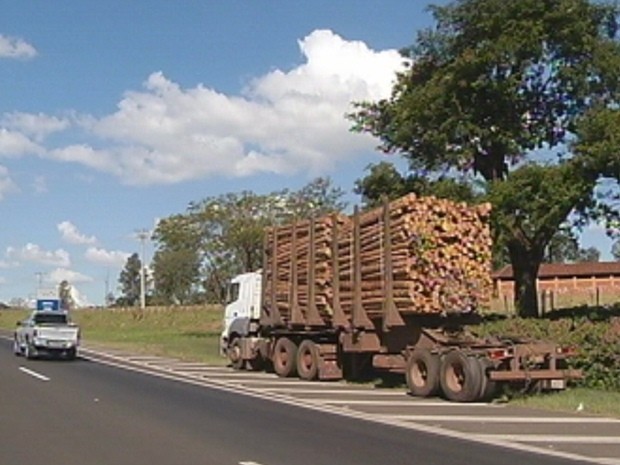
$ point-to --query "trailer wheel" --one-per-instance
(234, 354)
(284, 358)
(488, 388)
(422, 373)
(308, 360)
(460, 377)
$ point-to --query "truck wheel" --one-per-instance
(308, 360)
(234, 354)
(488, 388)
(284, 358)
(460, 377)
(422, 373)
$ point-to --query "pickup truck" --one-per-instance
(46, 332)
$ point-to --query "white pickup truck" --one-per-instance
(46, 332)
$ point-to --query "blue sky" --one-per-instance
(116, 113)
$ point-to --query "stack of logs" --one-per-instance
(440, 251)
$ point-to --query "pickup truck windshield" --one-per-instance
(50, 318)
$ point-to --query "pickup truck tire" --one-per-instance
(308, 359)
(285, 358)
(17, 350)
(71, 354)
(422, 373)
(460, 377)
(30, 352)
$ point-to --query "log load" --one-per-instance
(439, 254)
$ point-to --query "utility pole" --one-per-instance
(39, 275)
(143, 235)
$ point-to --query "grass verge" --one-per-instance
(576, 399)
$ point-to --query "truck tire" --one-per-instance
(285, 358)
(460, 377)
(308, 359)
(422, 373)
(234, 354)
(488, 388)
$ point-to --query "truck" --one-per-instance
(396, 289)
(49, 332)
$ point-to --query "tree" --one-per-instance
(615, 250)
(317, 198)
(591, 254)
(65, 295)
(176, 262)
(129, 281)
(175, 273)
(384, 181)
(496, 85)
(563, 247)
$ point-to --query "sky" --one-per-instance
(114, 114)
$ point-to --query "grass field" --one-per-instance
(186, 333)
(192, 333)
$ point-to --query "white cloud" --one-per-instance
(283, 122)
(33, 253)
(7, 186)
(70, 233)
(14, 143)
(72, 277)
(37, 126)
(105, 257)
(13, 47)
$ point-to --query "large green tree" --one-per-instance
(497, 85)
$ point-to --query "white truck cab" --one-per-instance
(243, 305)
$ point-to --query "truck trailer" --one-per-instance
(395, 288)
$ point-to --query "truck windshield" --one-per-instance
(233, 293)
(50, 318)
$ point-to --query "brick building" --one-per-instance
(564, 285)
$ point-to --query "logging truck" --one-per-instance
(394, 289)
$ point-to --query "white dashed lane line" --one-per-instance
(34, 374)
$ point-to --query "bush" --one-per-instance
(593, 332)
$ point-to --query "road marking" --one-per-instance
(34, 374)
(400, 403)
(249, 463)
(361, 392)
(532, 438)
(491, 419)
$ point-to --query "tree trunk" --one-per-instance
(525, 264)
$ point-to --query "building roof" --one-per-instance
(567, 270)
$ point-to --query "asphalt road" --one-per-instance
(82, 412)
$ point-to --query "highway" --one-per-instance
(82, 412)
